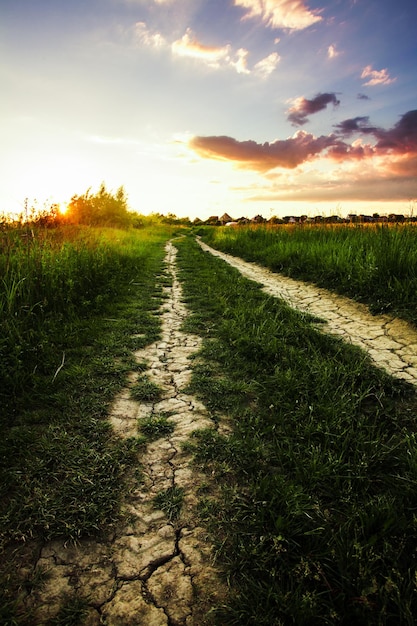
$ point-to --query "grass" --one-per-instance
(72, 613)
(314, 513)
(64, 353)
(170, 502)
(144, 389)
(376, 264)
(156, 426)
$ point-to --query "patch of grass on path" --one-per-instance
(316, 521)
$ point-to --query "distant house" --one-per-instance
(258, 219)
(213, 219)
(225, 218)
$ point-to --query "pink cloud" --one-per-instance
(291, 14)
(189, 46)
(223, 56)
(357, 151)
(400, 139)
(332, 52)
(376, 77)
(287, 153)
(266, 66)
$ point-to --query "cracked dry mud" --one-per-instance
(390, 342)
(151, 571)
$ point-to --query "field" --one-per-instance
(315, 513)
(75, 302)
(310, 501)
(375, 263)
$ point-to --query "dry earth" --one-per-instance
(390, 342)
(152, 571)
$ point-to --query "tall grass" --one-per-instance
(75, 305)
(51, 279)
(313, 512)
(375, 264)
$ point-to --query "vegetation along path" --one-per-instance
(156, 568)
(390, 342)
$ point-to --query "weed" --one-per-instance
(144, 389)
(156, 426)
(170, 502)
(71, 613)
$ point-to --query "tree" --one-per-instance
(100, 209)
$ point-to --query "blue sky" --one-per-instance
(198, 107)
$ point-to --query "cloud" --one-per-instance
(189, 46)
(215, 57)
(402, 138)
(362, 96)
(355, 125)
(357, 151)
(376, 77)
(291, 14)
(369, 188)
(287, 153)
(404, 167)
(266, 66)
(148, 38)
(332, 52)
(224, 56)
(400, 141)
(241, 62)
(302, 107)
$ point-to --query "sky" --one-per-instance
(201, 107)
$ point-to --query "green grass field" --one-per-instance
(75, 303)
(376, 264)
(313, 508)
(310, 501)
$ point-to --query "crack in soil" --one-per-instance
(153, 569)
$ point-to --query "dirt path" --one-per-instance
(390, 342)
(153, 570)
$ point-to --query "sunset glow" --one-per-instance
(199, 108)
